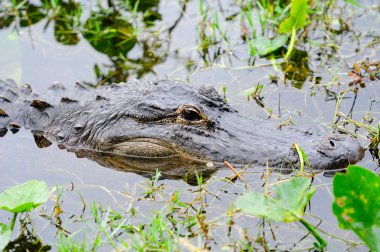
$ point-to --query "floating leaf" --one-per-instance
(24, 197)
(264, 46)
(298, 16)
(357, 204)
(5, 236)
(288, 206)
(109, 33)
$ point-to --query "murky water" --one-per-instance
(32, 55)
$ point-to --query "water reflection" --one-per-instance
(174, 168)
(113, 28)
(170, 168)
(296, 68)
(27, 241)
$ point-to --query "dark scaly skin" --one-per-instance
(165, 124)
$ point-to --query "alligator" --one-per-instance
(142, 125)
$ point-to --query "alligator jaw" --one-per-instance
(151, 148)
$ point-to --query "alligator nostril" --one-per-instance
(332, 144)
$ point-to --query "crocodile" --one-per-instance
(164, 124)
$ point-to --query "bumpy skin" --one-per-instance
(165, 121)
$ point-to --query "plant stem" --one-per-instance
(300, 157)
(314, 232)
(292, 42)
(274, 63)
(13, 221)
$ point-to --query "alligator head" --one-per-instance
(168, 121)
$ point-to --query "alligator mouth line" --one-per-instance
(153, 148)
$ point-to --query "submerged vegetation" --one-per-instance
(356, 206)
(107, 28)
(269, 29)
(279, 54)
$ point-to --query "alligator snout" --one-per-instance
(340, 150)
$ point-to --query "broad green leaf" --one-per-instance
(357, 204)
(110, 34)
(288, 205)
(24, 197)
(264, 46)
(5, 236)
(298, 16)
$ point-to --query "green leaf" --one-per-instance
(24, 197)
(5, 236)
(288, 206)
(302, 157)
(264, 46)
(353, 2)
(109, 33)
(254, 91)
(66, 25)
(357, 204)
(298, 16)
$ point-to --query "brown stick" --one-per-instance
(233, 170)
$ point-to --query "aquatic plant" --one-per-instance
(357, 204)
(20, 198)
(288, 206)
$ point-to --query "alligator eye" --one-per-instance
(190, 113)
